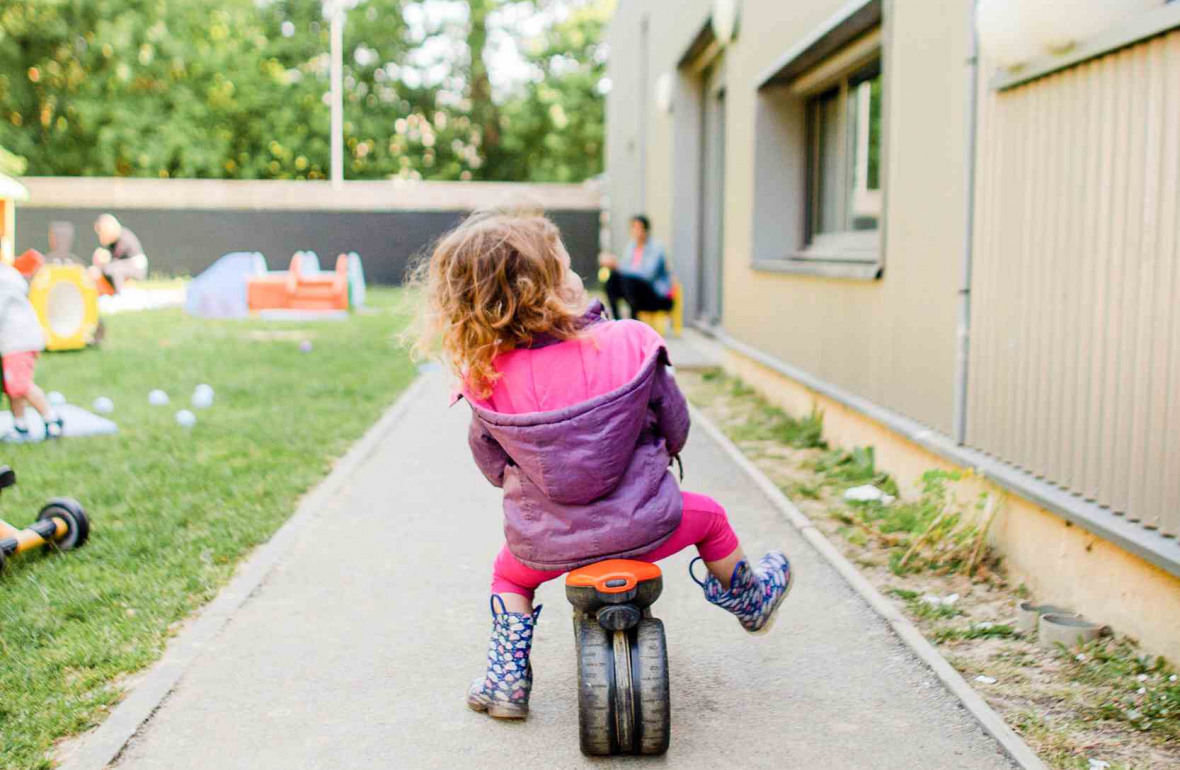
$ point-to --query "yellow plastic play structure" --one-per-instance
(11, 191)
(64, 296)
(66, 302)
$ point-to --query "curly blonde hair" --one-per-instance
(493, 284)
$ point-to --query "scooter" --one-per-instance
(61, 524)
(624, 704)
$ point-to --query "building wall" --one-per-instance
(891, 340)
(186, 225)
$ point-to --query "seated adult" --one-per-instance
(120, 256)
(641, 276)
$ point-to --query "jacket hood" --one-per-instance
(581, 452)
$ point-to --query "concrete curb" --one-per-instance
(98, 749)
(992, 723)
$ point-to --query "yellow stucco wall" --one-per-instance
(890, 340)
(1059, 562)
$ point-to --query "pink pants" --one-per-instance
(704, 525)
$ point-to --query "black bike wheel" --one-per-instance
(654, 705)
(595, 688)
(77, 523)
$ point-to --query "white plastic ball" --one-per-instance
(103, 405)
(157, 398)
(56, 398)
(185, 418)
(305, 346)
(202, 397)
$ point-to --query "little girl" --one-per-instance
(577, 419)
(21, 341)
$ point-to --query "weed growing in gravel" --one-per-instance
(773, 424)
(1144, 689)
(927, 611)
(848, 469)
(975, 631)
(934, 532)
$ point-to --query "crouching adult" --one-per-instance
(119, 256)
(640, 276)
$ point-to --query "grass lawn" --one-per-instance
(172, 511)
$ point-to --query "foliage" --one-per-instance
(554, 131)
(936, 531)
(11, 164)
(137, 87)
(237, 89)
(1143, 690)
(975, 631)
(769, 423)
(847, 469)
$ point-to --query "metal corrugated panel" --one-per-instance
(1075, 369)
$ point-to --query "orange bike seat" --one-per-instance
(613, 576)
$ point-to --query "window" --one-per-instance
(844, 162)
(818, 151)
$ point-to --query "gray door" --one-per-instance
(712, 203)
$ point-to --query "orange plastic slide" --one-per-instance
(295, 290)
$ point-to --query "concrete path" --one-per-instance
(358, 648)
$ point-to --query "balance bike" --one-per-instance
(623, 700)
(61, 524)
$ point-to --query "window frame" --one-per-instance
(835, 75)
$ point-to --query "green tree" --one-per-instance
(555, 129)
(11, 164)
(135, 87)
(236, 88)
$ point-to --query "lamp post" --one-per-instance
(334, 11)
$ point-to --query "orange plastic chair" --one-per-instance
(29, 262)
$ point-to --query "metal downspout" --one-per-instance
(963, 337)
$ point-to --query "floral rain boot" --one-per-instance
(754, 595)
(504, 691)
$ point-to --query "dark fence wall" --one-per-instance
(185, 225)
(179, 241)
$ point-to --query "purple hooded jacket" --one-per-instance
(591, 480)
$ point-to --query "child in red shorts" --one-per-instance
(21, 340)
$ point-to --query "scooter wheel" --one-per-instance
(595, 689)
(77, 523)
(623, 698)
(651, 688)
